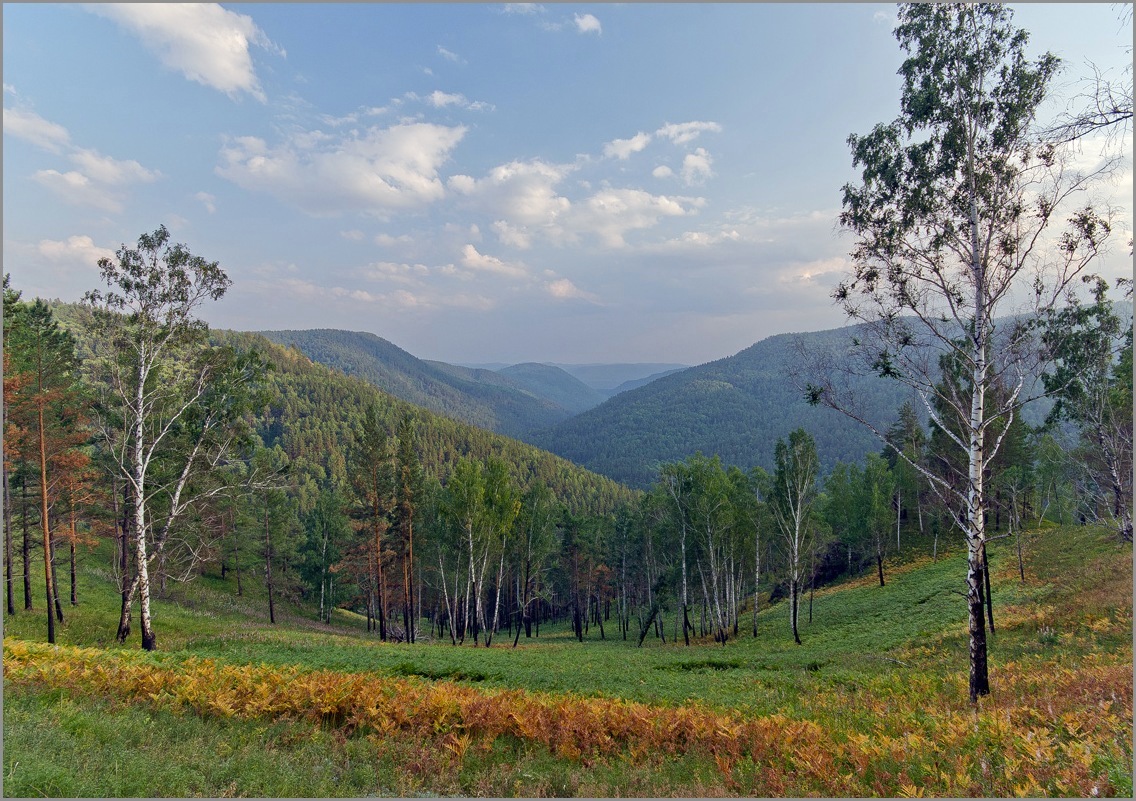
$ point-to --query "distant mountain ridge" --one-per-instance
(515, 400)
(613, 378)
(483, 398)
(736, 407)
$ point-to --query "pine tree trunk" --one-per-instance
(26, 546)
(9, 551)
(55, 583)
(44, 519)
(74, 533)
(268, 566)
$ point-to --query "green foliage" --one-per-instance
(736, 408)
(482, 398)
(315, 413)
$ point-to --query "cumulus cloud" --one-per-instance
(696, 167)
(612, 213)
(31, 127)
(375, 171)
(207, 200)
(524, 200)
(77, 189)
(480, 262)
(205, 42)
(683, 132)
(97, 177)
(511, 236)
(586, 23)
(74, 249)
(623, 148)
(521, 193)
(107, 170)
(563, 289)
(662, 171)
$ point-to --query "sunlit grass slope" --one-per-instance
(873, 702)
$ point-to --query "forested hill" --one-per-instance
(315, 411)
(483, 398)
(556, 384)
(737, 408)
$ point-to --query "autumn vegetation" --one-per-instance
(760, 717)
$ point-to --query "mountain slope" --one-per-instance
(480, 397)
(555, 384)
(737, 407)
(607, 378)
(315, 412)
(635, 383)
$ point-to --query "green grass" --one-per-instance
(908, 634)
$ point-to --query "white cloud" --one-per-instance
(440, 99)
(683, 132)
(521, 193)
(563, 289)
(662, 171)
(207, 200)
(490, 264)
(696, 167)
(90, 184)
(74, 249)
(107, 170)
(376, 171)
(386, 240)
(611, 213)
(31, 127)
(524, 201)
(449, 55)
(623, 148)
(205, 42)
(77, 189)
(395, 272)
(511, 236)
(586, 23)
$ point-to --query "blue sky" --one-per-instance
(475, 183)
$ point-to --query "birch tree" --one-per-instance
(790, 498)
(166, 394)
(953, 219)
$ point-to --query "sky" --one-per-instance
(475, 183)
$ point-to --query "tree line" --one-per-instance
(197, 451)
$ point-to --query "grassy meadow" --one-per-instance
(873, 703)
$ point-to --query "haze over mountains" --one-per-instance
(736, 407)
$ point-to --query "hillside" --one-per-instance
(315, 410)
(873, 703)
(735, 407)
(616, 377)
(555, 384)
(482, 398)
